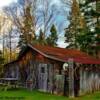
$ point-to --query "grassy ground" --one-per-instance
(35, 95)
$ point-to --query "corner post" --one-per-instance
(71, 78)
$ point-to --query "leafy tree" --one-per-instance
(1, 64)
(23, 17)
(9, 55)
(53, 37)
(1, 59)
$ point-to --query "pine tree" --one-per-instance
(27, 30)
(41, 39)
(90, 40)
(84, 28)
(76, 23)
(53, 37)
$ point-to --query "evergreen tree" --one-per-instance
(41, 38)
(84, 28)
(53, 37)
(41, 35)
(76, 23)
(91, 38)
(27, 30)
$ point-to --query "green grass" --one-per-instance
(23, 94)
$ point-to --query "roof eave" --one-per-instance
(45, 55)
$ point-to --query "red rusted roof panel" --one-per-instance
(64, 54)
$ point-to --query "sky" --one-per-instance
(61, 40)
(6, 2)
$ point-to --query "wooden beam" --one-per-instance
(71, 78)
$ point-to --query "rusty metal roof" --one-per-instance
(62, 54)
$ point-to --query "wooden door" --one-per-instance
(42, 77)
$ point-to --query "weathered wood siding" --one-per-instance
(29, 70)
(89, 81)
(12, 71)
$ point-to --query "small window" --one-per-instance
(42, 70)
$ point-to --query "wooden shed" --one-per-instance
(43, 68)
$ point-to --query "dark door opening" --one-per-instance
(76, 83)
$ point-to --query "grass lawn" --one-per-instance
(35, 95)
